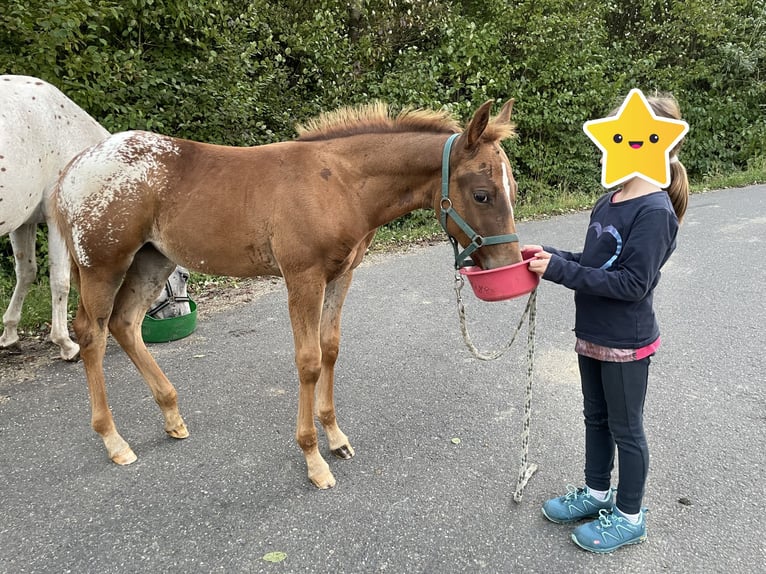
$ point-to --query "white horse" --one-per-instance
(40, 131)
(173, 300)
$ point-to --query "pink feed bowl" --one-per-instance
(503, 283)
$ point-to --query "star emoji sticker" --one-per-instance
(635, 142)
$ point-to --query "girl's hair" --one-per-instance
(666, 106)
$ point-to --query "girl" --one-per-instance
(632, 233)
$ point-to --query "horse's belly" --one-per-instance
(226, 258)
(21, 201)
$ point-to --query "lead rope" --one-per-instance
(526, 469)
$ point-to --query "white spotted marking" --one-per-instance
(34, 147)
(103, 174)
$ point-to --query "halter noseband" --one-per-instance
(477, 240)
(171, 299)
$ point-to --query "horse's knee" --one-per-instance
(330, 354)
(309, 367)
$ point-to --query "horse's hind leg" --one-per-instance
(97, 288)
(335, 295)
(58, 257)
(23, 244)
(143, 282)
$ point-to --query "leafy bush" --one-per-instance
(244, 73)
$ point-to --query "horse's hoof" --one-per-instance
(125, 457)
(345, 452)
(324, 482)
(12, 348)
(178, 432)
(71, 358)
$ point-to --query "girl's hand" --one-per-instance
(532, 248)
(540, 263)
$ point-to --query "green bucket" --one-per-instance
(164, 330)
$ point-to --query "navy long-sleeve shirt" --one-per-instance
(614, 276)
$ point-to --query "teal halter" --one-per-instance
(477, 240)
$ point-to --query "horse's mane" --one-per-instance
(375, 117)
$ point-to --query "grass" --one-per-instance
(36, 312)
(755, 174)
(419, 226)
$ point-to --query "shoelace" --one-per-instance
(604, 517)
(573, 492)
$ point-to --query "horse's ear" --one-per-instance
(504, 117)
(478, 125)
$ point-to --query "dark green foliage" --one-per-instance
(244, 72)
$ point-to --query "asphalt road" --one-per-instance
(412, 500)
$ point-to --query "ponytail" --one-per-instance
(678, 190)
(665, 105)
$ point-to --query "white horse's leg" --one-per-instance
(23, 244)
(59, 274)
(335, 295)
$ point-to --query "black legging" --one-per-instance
(613, 406)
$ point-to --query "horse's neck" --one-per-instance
(401, 173)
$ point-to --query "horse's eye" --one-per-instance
(481, 197)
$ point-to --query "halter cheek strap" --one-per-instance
(447, 210)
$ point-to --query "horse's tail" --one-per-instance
(60, 221)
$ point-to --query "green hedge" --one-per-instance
(244, 73)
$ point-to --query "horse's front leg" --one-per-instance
(305, 296)
(335, 295)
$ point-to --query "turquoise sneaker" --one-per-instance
(575, 505)
(610, 532)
